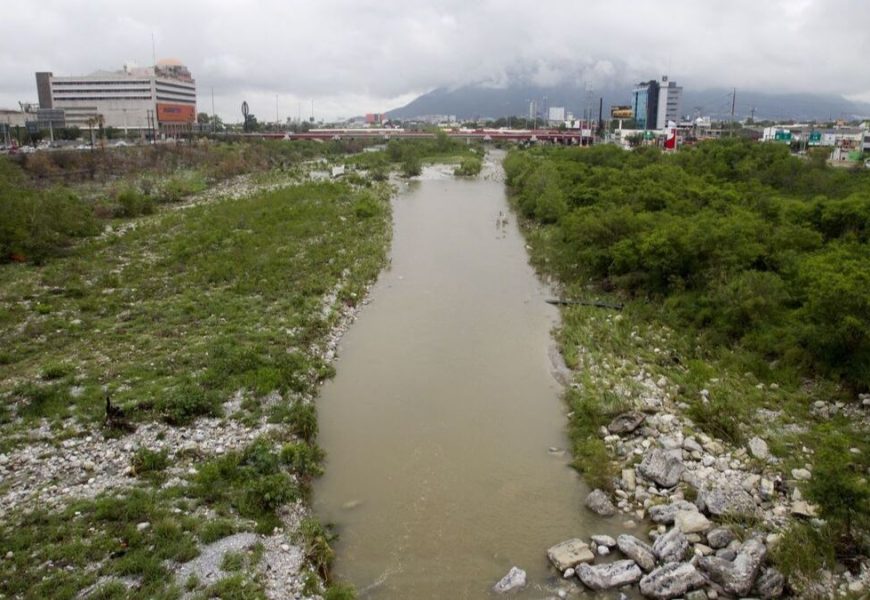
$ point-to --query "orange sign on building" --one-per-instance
(176, 113)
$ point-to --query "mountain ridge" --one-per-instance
(475, 101)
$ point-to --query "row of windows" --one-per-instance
(174, 93)
(86, 98)
(189, 87)
(130, 90)
(92, 82)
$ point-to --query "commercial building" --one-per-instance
(162, 97)
(654, 103)
(556, 114)
(670, 103)
(645, 104)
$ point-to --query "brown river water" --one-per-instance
(441, 424)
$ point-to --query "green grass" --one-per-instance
(52, 552)
(179, 313)
(150, 463)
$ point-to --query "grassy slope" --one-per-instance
(173, 317)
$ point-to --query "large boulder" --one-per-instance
(770, 584)
(758, 448)
(737, 576)
(720, 537)
(599, 503)
(665, 513)
(569, 554)
(671, 581)
(516, 578)
(637, 551)
(691, 521)
(726, 499)
(626, 422)
(663, 467)
(610, 575)
(671, 546)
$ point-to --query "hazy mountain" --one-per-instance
(474, 101)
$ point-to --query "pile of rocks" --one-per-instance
(684, 481)
(690, 559)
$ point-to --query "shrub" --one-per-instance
(40, 224)
(304, 459)
(187, 402)
(55, 371)
(149, 462)
(801, 553)
(367, 206)
(215, 530)
(132, 203)
(839, 483)
(303, 421)
(316, 542)
(469, 167)
(411, 165)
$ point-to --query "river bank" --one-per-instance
(158, 422)
(729, 466)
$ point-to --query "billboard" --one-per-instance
(176, 113)
(621, 112)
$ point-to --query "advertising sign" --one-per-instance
(782, 135)
(176, 113)
(621, 112)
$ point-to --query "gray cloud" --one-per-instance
(371, 55)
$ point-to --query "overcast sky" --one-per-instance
(357, 56)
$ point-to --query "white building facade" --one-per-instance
(158, 97)
(670, 104)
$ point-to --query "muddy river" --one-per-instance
(444, 429)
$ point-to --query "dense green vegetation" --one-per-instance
(469, 167)
(49, 199)
(190, 306)
(744, 274)
(742, 242)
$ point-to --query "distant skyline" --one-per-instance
(352, 57)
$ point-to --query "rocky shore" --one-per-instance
(701, 517)
(714, 510)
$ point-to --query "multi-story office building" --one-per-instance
(162, 96)
(670, 103)
(645, 103)
(655, 103)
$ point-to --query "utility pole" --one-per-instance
(733, 106)
(213, 115)
(277, 120)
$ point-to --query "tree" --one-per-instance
(411, 165)
(70, 133)
(203, 118)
